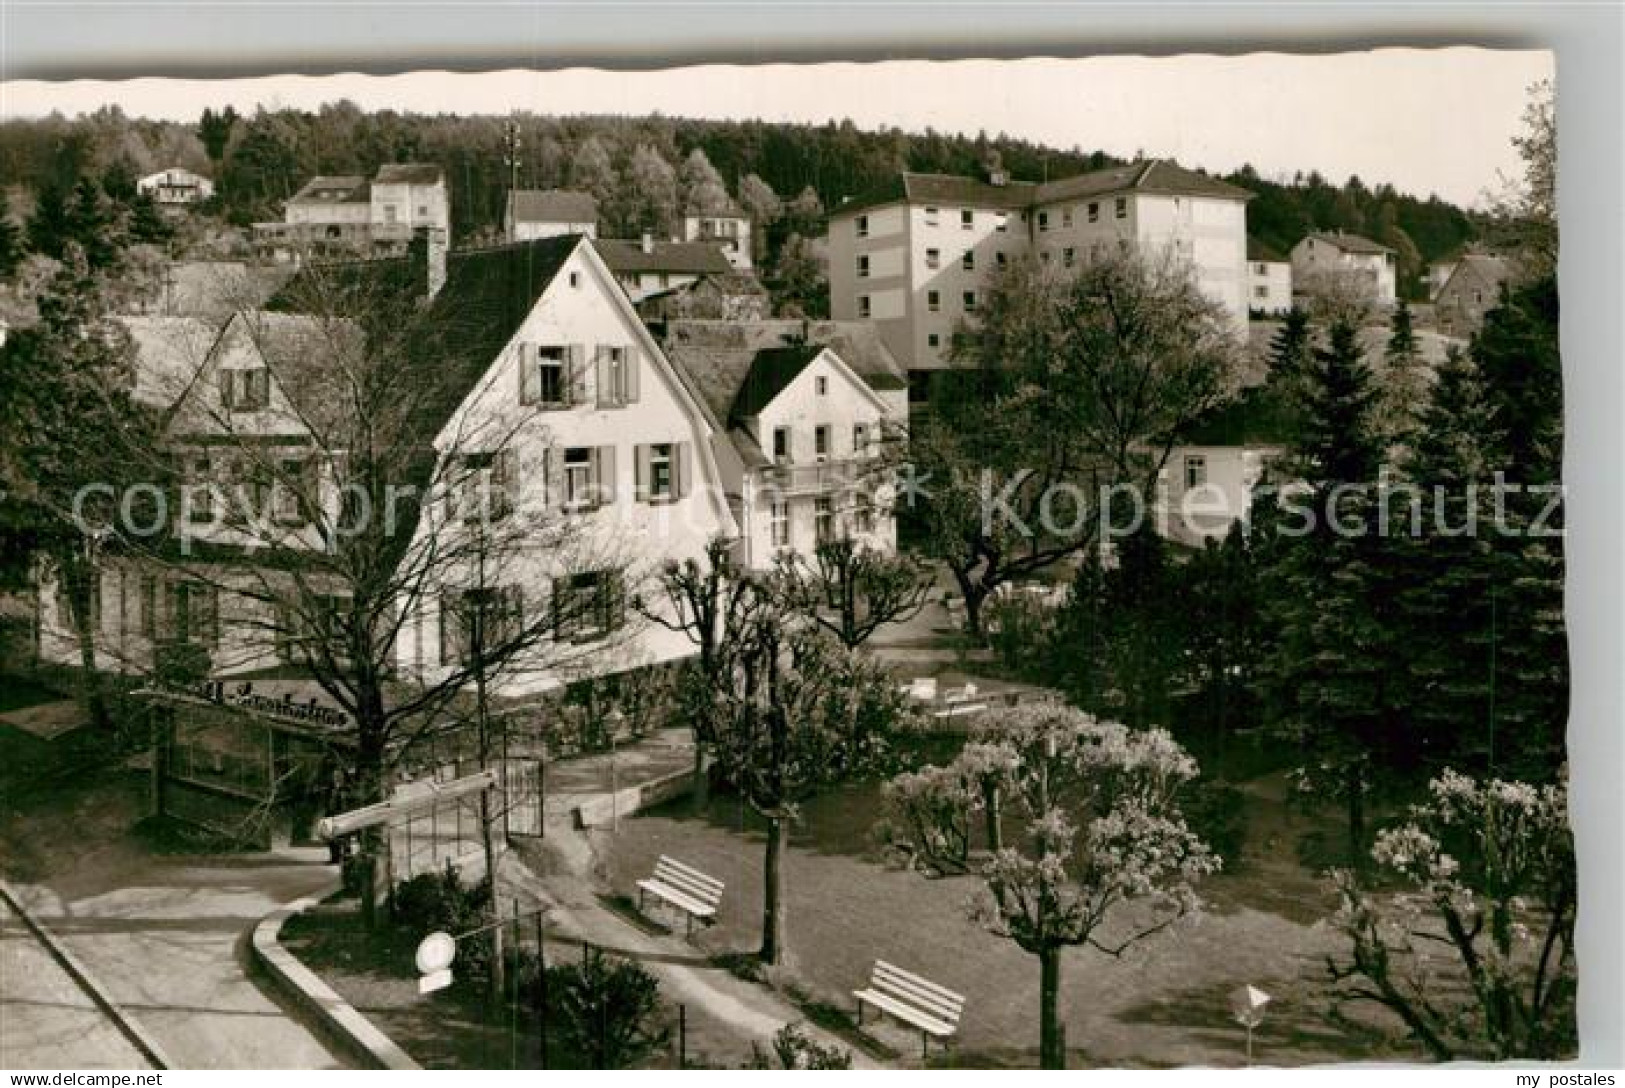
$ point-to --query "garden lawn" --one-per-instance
(1163, 1003)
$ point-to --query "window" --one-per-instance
(823, 519)
(587, 606)
(1044, 257)
(933, 301)
(863, 306)
(967, 219)
(1122, 208)
(1001, 221)
(390, 213)
(1000, 259)
(188, 612)
(1043, 220)
(544, 376)
(821, 441)
(1261, 291)
(588, 473)
(931, 217)
(488, 485)
(1066, 217)
(1094, 211)
(662, 472)
(575, 279)
(778, 515)
(863, 226)
(423, 211)
(933, 340)
(201, 492)
(1261, 268)
(969, 299)
(1068, 256)
(933, 258)
(821, 385)
(617, 377)
(860, 439)
(1195, 471)
(863, 514)
(480, 622)
(245, 390)
(294, 488)
(781, 443)
(863, 266)
(968, 261)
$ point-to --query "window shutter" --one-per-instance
(680, 469)
(615, 600)
(604, 376)
(558, 603)
(529, 378)
(604, 474)
(553, 467)
(633, 365)
(447, 621)
(149, 606)
(640, 471)
(575, 374)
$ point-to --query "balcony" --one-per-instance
(819, 477)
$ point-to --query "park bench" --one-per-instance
(963, 701)
(916, 1001)
(685, 888)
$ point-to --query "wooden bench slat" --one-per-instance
(677, 898)
(890, 973)
(947, 1010)
(906, 1013)
(677, 873)
(703, 892)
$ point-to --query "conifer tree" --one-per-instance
(11, 240)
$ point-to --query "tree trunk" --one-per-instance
(1051, 1049)
(702, 778)
(773, 892)
(990, 814)
(975, 597)
(80, 596)
(498, 978)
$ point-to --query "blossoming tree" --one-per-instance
(1100, 855)
(1476, 953)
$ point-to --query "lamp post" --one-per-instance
(1247, 1007)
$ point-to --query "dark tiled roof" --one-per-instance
(1258, 250)
(858, 343)
(334, 189)
(407, 173)
(1348, 243)
(1487, 267)
(450, 344)
(771, 372)
(552, 206)
(1148, 176)
(697, 258)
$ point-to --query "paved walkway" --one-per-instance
(45, 1015)
(166, 942)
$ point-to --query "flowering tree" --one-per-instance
(1102, 848)
(1476, 956)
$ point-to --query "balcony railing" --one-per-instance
(815, 477)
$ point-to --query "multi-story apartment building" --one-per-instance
(349, 215)
(553, 392)
(1339, 261)
(915, 256)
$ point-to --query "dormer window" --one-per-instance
(245, 390)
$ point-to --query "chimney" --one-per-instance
(648, 243)
(427, 256)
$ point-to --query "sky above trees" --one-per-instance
(1427, 121)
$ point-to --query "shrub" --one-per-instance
(793, 1050)
(181, 664)
(1021, 631)
(602, 1011)
(1217, 812)
(441, 901)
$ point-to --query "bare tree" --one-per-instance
(1070, 392)
(850, 589)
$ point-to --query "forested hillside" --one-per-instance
(642, 169)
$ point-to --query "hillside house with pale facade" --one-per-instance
(548, 213)
(350, 215)
(1332, 261)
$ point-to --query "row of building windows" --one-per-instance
(1091, 212)
(554, 376)
(582, 478)
(582, 607)
(826, 522)
(863, 439)
(933, 217)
